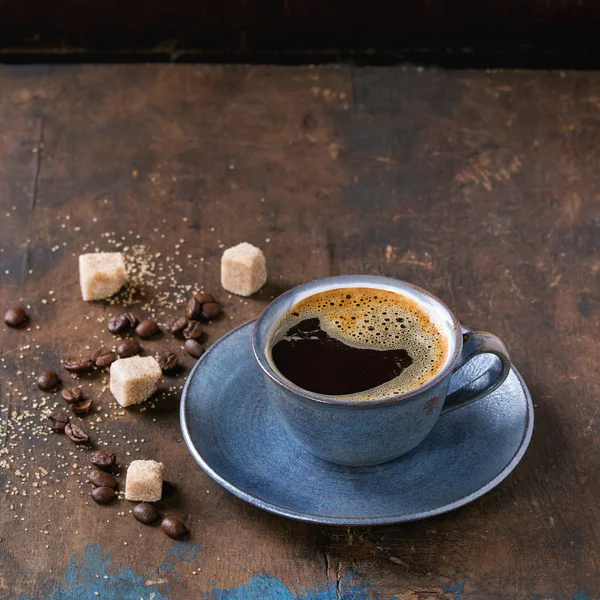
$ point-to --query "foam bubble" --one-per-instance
(373, 318)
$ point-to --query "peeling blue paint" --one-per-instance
(96, 575)
(263, 587)
(457, 589)
(186, 550)
(96, 572)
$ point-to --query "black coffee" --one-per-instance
(360, 342)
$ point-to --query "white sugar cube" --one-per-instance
(101, 274)
(243, 269)
(135, 379)
(144, 481)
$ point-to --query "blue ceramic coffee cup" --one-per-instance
(361, 433)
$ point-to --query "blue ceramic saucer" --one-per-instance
(233, 434)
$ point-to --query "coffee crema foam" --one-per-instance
(375, 319)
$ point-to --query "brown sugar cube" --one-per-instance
(135, 379)
(243, 269)
(101, 274)
(144, 481)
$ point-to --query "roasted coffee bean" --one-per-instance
(194, 348)
(48, 381)
(76, 434)
(104, 357)
(176, 325)
(147, 328)
(146, 513)
(133, 320)
(194, 309)
(102, 479)
(118, 324)
(81, 407)
(193, 331)
(103, 459)
(58, 421)
(211, 310)
(79, 365)
(122, 323)
(173, 527)
(167, 361)
(204, 298)
(15, 316)
(103, 495)
(128, 348)
(72, 394)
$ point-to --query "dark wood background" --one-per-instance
(482, 187)
(502, 32)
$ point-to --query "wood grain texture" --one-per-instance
(482, 187)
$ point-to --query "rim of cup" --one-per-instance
(271, 315)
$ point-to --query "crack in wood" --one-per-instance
(338, 581)
(326, 559)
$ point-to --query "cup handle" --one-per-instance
(474, 343)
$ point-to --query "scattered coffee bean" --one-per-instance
(103, 495)
(194, 309)
(81, 407)
(167, 361)
(193, 331)
(118, 324)
(122, 323)
(211, 310)
(147, 328)
(146, 513)
(128, 348)
(133, 320)
(79, 365)
(104, 357)
(204, 298)
(173, 527)
(194, 348)
(76, 434)
(102, 479)
(72, 394)
(176, 325)
(48, 381)
(103, 459)
(15, 316)
(58, 421)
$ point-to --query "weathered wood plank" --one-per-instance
(482, 187)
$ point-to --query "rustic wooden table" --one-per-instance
(482, 187)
